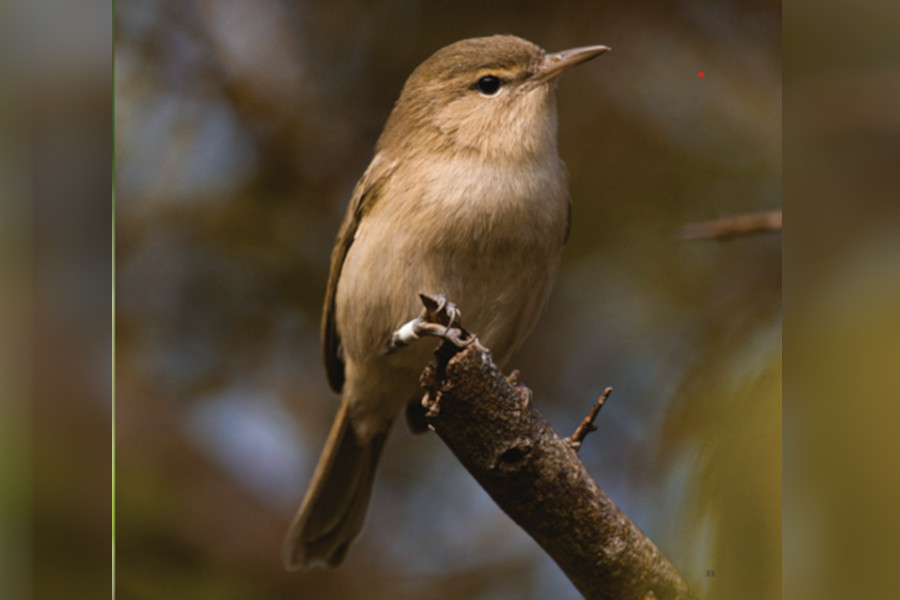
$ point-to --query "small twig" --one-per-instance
(734, 226)
(587, 425)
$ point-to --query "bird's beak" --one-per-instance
(557, 63)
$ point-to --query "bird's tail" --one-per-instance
(334, 509)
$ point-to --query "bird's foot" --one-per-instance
(440, 311)
(440, 318)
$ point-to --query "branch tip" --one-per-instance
(587, 425)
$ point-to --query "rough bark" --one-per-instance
(536, 477)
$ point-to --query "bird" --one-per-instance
(466, 198)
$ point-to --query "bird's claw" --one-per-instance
(455, 335)
(440, 318)
(458, 336)
(440, 310)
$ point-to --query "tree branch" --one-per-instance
(587, 425)
(734, 226)
(536, 477)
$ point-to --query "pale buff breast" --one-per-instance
(488, 238)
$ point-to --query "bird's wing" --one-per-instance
(365, 195)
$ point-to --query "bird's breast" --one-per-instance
(505, 199)
(489, 237)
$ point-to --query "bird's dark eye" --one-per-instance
(488, 85)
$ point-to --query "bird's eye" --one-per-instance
(488, 85)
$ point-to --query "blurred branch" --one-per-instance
(535, 476)
(734, 226)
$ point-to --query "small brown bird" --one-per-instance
(466, 197)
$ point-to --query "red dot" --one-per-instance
(700, 74)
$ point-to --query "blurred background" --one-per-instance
(56, 156)
(241, 129)
(842, 451)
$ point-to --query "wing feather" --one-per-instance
(365, 195)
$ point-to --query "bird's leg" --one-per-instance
(406, 335)
(440, 318)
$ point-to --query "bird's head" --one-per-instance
(491, 95)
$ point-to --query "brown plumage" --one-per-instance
(466, 196)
